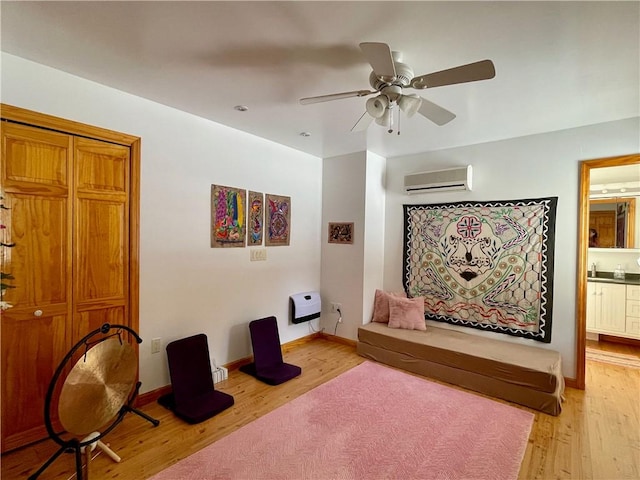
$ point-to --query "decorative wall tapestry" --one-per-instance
(340, 232)
(486, 265)
(256, 218)
(278, 211)
(228, 213)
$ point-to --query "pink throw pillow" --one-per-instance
(407, 313)
(381, 305)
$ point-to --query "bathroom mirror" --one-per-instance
(613, 217)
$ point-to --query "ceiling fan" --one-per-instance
(390, 76)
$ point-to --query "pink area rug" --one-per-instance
(371, 422)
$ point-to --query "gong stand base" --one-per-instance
(88, 456)
(76, 446)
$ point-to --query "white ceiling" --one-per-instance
(615, 181)
(558, 64)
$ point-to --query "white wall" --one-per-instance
(529, 167)
(353, 191)
(343, 200)
(607, 259)
(373, 272)
(186, 287)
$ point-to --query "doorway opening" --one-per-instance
(589, 168)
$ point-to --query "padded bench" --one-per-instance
(523, 374)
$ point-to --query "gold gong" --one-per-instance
(97, 387)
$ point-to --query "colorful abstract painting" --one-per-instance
(228, 213)
(485, 265)
(278, 211)
(256, 218)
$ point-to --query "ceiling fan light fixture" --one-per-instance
(377, 106)
(385, 118)
(410, 104)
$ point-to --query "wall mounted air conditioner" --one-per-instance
(438, 180)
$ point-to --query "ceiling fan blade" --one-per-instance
(335, 96)
(472, 72)
(363, 123)
(435, 113)
(380, 58)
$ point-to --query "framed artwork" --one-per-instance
(278, 218)
(340, 232)
(256, 218)
(228, 214)
(485, 265)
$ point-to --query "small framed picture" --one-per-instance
(341, 232)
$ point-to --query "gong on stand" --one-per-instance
(96, 395)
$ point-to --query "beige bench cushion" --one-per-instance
(528, 375)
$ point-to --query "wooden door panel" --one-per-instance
(40, 258)
(36, 171)
(102, 219)
(101, 267)
(101, 167)
(91, 319)
(101, 251)
(36, 156)
(32, 348)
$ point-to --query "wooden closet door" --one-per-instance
(605, 224)
(37, 181)
(101, 235)
(74, 211)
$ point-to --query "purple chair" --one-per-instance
(194, 398)
(268, 365)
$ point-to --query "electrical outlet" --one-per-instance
(220, 374)
(335, 307)
(155, 345)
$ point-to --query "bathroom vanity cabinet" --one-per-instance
(613, 308)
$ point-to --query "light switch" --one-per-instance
(258, 254)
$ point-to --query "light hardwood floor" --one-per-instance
(596, 436)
